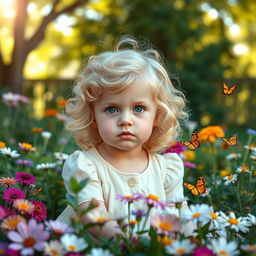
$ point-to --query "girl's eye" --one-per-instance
(111, 110)
(139, 109)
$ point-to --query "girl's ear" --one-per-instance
(94, 124)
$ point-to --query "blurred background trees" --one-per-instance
(204, 43)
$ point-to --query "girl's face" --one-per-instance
(125, 120)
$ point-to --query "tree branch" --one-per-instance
(39, 34)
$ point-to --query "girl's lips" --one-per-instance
(125, 134)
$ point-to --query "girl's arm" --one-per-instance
(109, 229)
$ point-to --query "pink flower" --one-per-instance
(39, 212)
(11, 194)
(129, 198)
(25, 178)
(29, 237)
(166, 224)
(176, 147)
(153, 201)
(6, 211)
(58, 227)
(203, 251)
(189, 164)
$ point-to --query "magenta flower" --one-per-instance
(129, 198)
(39, 212)
(11, 194)
(6, 212)
(25, 178)
(203, 251)
(176, 147)
(29, 237)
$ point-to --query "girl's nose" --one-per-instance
(125, 119)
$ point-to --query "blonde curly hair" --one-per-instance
(115, 71)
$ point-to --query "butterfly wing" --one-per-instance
(194, 143)
(192, 188)
(228, 90)
(232, 141)
(201, 188)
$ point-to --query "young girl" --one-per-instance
(124, 112)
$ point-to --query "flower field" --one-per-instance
(219, 185)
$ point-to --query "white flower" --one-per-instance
(54, 248)
(46, 135)
(61, 156)
(238, 224)
(180, 247)
(252, 219)
(72, 243)
(45, 166)
(249, 248)
(97, 216)
(9, 153)
(233, 156)
(198, 213)
(221, 247)
(230, 179)
(243, 169)
(100, 252)
(216, 221)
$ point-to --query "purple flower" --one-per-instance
(176, 147)
(11, 194)
(25, 178)
(129, 198)
(28, 237)
(24, 162)
(153, 201)
(189, 164)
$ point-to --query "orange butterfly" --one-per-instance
(228, 90)
(194, 142)
(198, 189)
(232, 141)
(35, 191)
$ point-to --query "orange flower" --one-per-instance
(36, 130)
(50, 112)
(211, 133)
(26, 147)
(61, 103)
(2, 144)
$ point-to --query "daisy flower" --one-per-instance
(25, 178)
(97, 216)
(27, 147)
(233, 156)
(243, 169)
(249, 248)
(24, 162)
(8, 152)
(197, 213)
(23, 206)
(72, 243)
(250, 147)
(178, 202)
(153, 201)
(39, 212)
(45, 166)
(46, 135)
(252, 219)
(180, 247)
(58, 227)
(230, 179)
(216, 221)
(11, 194)
(237, 224)
(7, 181)
(29, 237)
(99, 252)
(60, 156)
(221, 247)
(129, 198)
(166, 224)
(54, 248)
(11, 222)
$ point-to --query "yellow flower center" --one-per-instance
(2, 251)
(196, 215)
(54, 252)
(244, 168)
(230, 177)
(222, 252)
(214, 215)
(29, 242)
(233, 221)
(23, 206)
(71, 248)
(2, 144)
(128, 196)
(165, 226)
(132, 222)
(101, 219)
(153, 197)
(12, 223)
(181, 250)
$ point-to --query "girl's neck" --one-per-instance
(135, 160)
